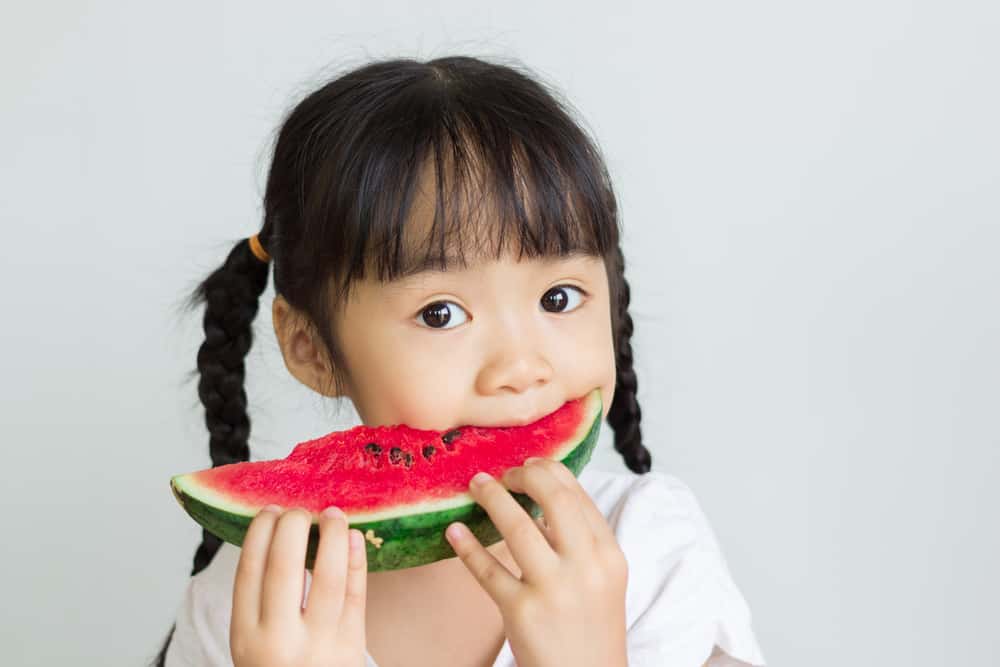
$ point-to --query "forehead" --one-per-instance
(453, 220)
(471, 225)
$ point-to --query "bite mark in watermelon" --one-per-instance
(400, 486)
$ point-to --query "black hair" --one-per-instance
(340, 185)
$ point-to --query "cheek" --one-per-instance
(585, 357)
(610, 378)
(602, 353)
(608, 373)
(417, 381)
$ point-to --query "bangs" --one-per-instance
(462, 192)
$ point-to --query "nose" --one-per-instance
(516, 363)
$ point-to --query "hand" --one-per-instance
(270, 627)
(568, 607)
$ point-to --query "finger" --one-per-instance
(533, 553)
(352, 616)
(595, 518)
(250, 570)
(569, 531)
(492, 575)
(326, 594)
(281, 597)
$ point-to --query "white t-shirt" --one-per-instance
(682, 607)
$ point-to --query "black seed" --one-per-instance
(373, 448)
(395, 455)
(408, 460)
(450, 437)
(429, 451)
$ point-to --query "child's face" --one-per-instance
(505, 350)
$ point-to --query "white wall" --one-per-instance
(810, 198)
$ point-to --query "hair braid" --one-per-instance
(231, 295)
(624, 414)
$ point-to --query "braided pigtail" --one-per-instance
(231, 295)
(624, 414)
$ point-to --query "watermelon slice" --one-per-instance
(399, 486)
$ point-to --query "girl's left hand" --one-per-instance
(568, 607)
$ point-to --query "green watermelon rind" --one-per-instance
(408, 540)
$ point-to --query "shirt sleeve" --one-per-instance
(201, 633)
(683, 608)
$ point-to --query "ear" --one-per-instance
(301, 347)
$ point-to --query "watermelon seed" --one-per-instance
(373, 448)
(408, 460)
(450, 436)
(395, 455)
(429, 451)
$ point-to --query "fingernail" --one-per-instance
(481, 478)
(357, 540)
(456, 531)
(271, 508)
(532, 459)
(334, 513)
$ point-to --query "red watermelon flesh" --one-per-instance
(402, 484)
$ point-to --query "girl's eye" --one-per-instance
(555, 299)
(438, 314)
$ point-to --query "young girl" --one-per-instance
(445, 245)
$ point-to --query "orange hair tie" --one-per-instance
(258, 249)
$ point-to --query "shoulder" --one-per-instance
(201, 633)
(682, 605)
(635, 505)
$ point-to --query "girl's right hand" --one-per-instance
(269, 626)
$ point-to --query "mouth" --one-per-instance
(530, 416)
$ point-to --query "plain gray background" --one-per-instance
(809, 193)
